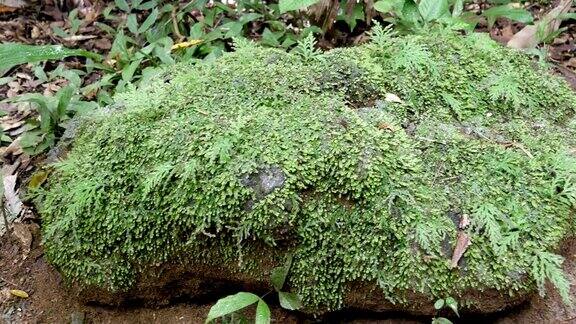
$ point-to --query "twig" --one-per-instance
(8, 282)
(175, 26)
(3, 211)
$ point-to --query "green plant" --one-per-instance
(53, 111)
(412, 16)
(12, 54)
(74, 25)
(228, 306)
(339, 159)
(448, 302)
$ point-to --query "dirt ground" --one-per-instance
(22, 266)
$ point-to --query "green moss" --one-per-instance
(305, 154)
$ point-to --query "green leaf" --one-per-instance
(441, 320)
(128, 72)
(410, 13)
(278, 275)
(290, 5)
(12, 54)
(433, 9)
(517, 14)
(64, 97)
(150, 20)
(269, 38)
(262, 313)
(147, 5)
(439, 304)
(132, 23)
(122, 4)
(290, 301)
(386, 6)
(230, 304)
(453, 304)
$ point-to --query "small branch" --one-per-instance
(8, 282)
(175, 26)
(3, 211)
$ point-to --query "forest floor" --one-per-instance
(22, 265)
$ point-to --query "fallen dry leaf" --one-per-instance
(13, 202)
(462, 244)
(390, 97)
(186, 44)
(527, 36)
(19, 293)
(22, 233)
(464, 221)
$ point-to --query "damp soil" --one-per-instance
(22, 266)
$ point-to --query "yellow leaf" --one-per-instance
(37, 179)
(186, 44)
(19, 293)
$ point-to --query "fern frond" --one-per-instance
(413, 56)
(241, 43)
(546, 265)
(382, 36)
(485, 218)
(307, 50)
(429, 234)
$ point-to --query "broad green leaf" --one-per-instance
(231, 304)
(245, 18)
(147, 5)
(269, 38)
(410, 14)
(433, 9)
(262, 313)
(122, 4)
(132, 23)
(386, 6)
(290, 5)
(12, 54)
(439, 304)
(453, 304)
(517, 14)
(64, 96)
(151, 19)
(128, 71)
(290, 301)
(278, 275)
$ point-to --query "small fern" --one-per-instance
(546, 265)
(307, 50)
(485, 218)
(382, 36)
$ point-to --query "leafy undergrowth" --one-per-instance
(364, 163)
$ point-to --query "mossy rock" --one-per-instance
(362, 163)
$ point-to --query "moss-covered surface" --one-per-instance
(303, 152)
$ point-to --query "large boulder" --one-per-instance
(394, 173)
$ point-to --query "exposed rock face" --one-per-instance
(360, 163)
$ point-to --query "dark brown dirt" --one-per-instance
(52, 301)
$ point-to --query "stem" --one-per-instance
(3, 211)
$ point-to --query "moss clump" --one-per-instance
(302, 151)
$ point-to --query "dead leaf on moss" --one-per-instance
(464, 221)
(390, 97)
(462, 244)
